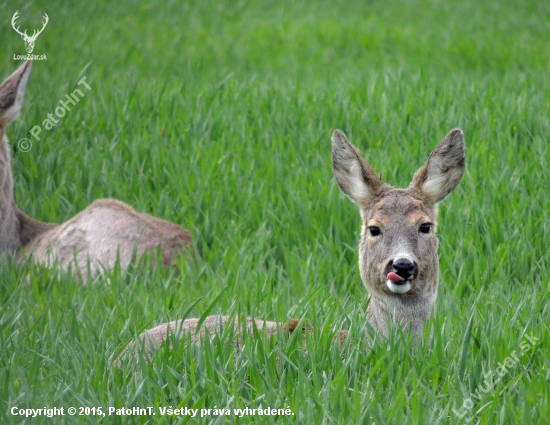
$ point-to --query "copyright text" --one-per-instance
(148, 411)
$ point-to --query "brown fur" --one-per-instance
(9, 223)
(105, 231)
(398, 213)
(29, 228)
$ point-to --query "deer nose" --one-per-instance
(405, 268)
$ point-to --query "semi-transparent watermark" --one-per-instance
(492, 378)
(65, 105)
(29, 39)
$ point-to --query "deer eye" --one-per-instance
(425, 228)
(374, 231)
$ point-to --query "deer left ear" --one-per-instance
(443, 170)
(12, 91)
(355, 177)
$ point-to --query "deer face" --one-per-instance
(398, 248)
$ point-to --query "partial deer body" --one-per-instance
(398, 258)
(106, 231)
(215, 325)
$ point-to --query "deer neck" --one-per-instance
(409, 312)
(9, 223)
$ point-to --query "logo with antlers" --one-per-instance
(29, 40)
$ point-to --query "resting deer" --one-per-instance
(106, 230)
(398, 249)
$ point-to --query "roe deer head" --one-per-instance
(398, 249)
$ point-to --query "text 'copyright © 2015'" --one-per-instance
(148, 411)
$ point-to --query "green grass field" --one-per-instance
(217, 115)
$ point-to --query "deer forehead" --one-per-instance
(400, 207)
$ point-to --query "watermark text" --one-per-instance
(492, 378)
(65, 105)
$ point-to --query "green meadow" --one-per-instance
(217, 115)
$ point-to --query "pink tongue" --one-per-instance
(395, 277)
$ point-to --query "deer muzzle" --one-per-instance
(400, 272)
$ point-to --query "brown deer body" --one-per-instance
(94, 239)
(398, 258)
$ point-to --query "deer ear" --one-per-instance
(443, 170)
(354, 175)
(12, 91)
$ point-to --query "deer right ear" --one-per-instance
(355, 177)
(12, 91)
(443, 170)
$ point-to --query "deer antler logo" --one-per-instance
(29, 40)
